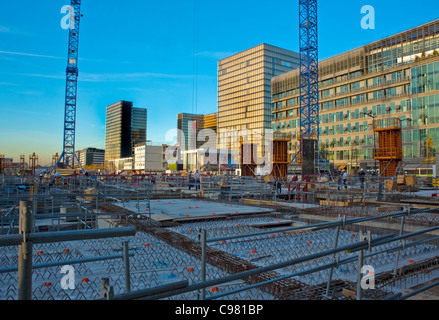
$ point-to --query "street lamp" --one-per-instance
(374, 140)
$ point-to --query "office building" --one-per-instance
(197, 135)
(138, 126)
(91, 157)
(150, 158)
(189, 125)
(244, 91)
(394, 77)
(125, 127)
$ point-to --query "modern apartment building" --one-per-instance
(125, 127)
(244, 91)
(395, 77)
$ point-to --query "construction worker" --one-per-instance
(362, 176)
(190, 179)
(279, 186)
(340, 179)
(345, 178)
(197, 177)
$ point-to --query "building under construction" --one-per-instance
(224, 237)
(276, 235)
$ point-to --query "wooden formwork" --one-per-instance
(389, 149)
(247, 161)
(280, 155)
(279, 158)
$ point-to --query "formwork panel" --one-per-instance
(389, 149)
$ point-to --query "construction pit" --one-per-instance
(254, 248)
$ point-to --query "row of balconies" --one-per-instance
(345, 116)
(349, 78)
(357, 103)
(368, 74)
(352, 90)
(368, 87)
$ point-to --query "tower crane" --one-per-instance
(68, 155)
(309, 85)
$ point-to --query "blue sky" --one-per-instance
(144, 51)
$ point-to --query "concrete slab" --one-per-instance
(161, 217)
(284, 204)
(169, 209)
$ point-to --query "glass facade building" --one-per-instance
(244, 90)
(91, 156)
(125, 127)
(138, 126)
(189, 126)
(394, 77)
(196, 132)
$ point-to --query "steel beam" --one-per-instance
(58, 236)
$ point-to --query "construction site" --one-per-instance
(303, 231)
(237, 238)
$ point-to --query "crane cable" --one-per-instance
(195, 56)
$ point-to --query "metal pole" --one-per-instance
(65, 262)
(312, 270)
(360, 265)
(316, 226)
(380, 190)
(34, 203)
(248, 273)
(150, 291)
(202, 238)
(25, 253)
(401, 230)
(126, 262)
(337, 232)
(72, 235)
(364, 189)
(414, 292)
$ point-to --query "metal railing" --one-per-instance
(26, 239)
(359, 246)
